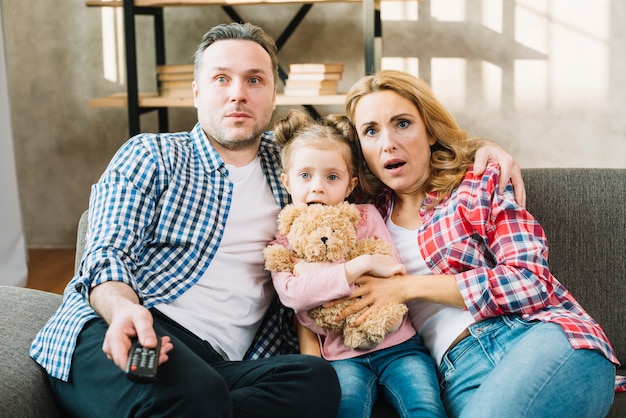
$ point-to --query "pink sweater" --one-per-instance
(316, 288)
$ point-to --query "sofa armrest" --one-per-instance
(24, 388)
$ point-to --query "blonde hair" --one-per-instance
(298, 130)
(453, 151)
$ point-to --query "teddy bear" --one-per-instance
(328, 233)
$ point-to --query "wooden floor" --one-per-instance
(50, 269)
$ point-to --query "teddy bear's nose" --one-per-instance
(324, 239)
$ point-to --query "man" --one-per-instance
(177, 225)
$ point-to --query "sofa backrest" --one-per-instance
(583, 211)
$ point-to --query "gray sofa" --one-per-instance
(582, 210)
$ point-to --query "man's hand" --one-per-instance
(509, 169)
(135, 321)
(119, 306)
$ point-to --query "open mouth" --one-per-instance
(315, 203)
(394, 164)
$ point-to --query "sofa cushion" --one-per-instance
(584, 216)
(24, 388)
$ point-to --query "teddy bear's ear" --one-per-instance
(350, 211)
(288, 215)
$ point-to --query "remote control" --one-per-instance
(143, 362)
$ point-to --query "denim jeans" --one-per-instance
(405, 373)
(513, 368)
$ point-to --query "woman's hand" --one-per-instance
(375, 292)
(509, 168)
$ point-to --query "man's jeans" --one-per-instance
(511, 368)
(405, 373)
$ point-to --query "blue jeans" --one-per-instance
(513, 368)
(405, 373)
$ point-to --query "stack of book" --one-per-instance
(313, 79)
(175, 80)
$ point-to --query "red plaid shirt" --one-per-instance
(499, 255)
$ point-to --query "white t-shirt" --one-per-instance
(438, 324)
(225, 307)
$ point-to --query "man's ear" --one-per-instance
(196, 92)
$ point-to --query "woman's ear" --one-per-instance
(353, 182)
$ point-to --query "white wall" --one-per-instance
(544, 78)
(13, 270)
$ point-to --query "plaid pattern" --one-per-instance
(499, 255)
(156, 218)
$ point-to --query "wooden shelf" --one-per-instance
(153, 100)
(168, 3)
(137, 103)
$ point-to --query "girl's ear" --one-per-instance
(285, 179)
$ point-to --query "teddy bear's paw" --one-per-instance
(392, 325)
(358, 339)
(383, 322)
(277, 258)
(326, 318)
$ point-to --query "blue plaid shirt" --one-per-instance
(156, 218)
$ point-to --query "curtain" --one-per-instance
(13, 263)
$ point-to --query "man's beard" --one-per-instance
(239, 142)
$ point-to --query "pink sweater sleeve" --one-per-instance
(312, 289)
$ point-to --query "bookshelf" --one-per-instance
(138, 103)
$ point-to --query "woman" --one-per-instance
(507, 337)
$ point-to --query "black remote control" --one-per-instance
(143, 362)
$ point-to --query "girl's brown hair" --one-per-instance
(298, 129)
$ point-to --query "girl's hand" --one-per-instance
(384, 266)
(373, 264)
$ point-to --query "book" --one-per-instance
(311, 83)
(314, 76)
(176, 92)
(331, 67)
(309, 91)
(167, 84)
(175, 68)
(175, 76)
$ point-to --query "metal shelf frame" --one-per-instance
(372, 29)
